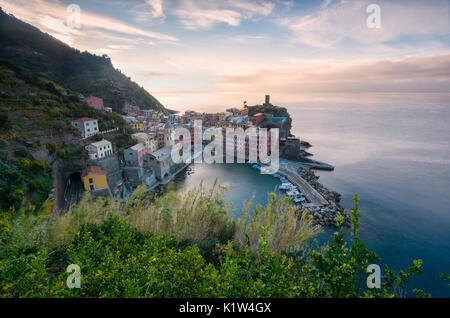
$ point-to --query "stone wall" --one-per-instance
(112, 166)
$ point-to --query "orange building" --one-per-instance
(94, 178)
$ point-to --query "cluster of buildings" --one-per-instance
(149, 159)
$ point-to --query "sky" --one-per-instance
(205, 53)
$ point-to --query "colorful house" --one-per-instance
(94, 178)
(95, 102)
(134, 156)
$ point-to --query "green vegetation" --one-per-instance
(184, 246)
(36, 107)
(24, 185)
(277, 111)
(81, 72)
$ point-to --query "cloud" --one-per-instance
(153, 74)
(148, 12)
(205, 14)
(157, 8)
(51, 17)
(425, 74)
(252, 8)
(344, 22)
(175, 65)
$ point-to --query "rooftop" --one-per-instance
(101, 143)
(138, 147)
(162, 154)
(92, 169)
(83, 119)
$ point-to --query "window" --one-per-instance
(91, 187)
(91, 180)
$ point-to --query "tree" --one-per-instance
(5, 122)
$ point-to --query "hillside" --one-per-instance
(34, 122)
(82, 72)
(38, 109)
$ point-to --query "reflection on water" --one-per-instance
(240, 180)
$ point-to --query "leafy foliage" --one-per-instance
(28, 182)
(121, 255)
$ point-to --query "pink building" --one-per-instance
(134, 156)
(95, 102)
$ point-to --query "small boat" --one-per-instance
(284, 181)
(293, 192)
(286, 186)
(299, 199)
(276, 176)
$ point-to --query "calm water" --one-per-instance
(395, 153)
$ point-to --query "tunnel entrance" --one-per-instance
(74, 191)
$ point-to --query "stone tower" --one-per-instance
(267, 100)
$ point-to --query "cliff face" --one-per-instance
(81, 72)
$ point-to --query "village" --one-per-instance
(148, 161)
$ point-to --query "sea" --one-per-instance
(391, 150)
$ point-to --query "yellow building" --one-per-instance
(138, 126)
(94, 178)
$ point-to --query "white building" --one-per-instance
(86, 126)
(99, 150)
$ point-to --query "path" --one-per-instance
(289, 170)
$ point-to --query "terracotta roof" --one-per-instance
(92, 169)
(83, 119)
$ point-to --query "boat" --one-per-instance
(299, 199)
(276, 175)
(286, 186)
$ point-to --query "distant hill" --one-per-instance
(33, 108)
(82, 72)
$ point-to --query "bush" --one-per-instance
(21, 151)
(124, 253)
(3, 155)
(4, 143)
(52, 147)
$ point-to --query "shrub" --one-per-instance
(21, 151)
(3, 154)
(4, 143)
(52, 147)
(121, 257)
